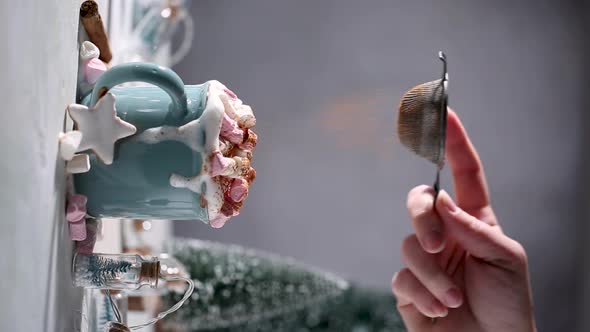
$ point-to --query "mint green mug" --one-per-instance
(136, 184)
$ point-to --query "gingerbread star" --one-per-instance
(101, 127)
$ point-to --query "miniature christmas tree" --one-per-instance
(237, 289)
(95, 271)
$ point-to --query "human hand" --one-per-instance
(460, 267)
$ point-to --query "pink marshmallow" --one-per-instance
(78, 230)
(219, 163)
(76, 208)
(229, 167)
(219, 221)
(230, 93)
(86, 246)
(93, 69)
(238, 190)
(230, 130)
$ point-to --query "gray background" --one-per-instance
(325, 77)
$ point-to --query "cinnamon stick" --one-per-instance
(95, 29)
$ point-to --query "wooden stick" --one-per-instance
(95, 29)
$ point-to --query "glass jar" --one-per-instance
(115, 271)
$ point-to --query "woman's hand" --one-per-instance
(460, 267)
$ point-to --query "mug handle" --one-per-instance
(162, 77)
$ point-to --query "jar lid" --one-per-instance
(116, 327)
(150, 272)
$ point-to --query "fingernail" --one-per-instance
(433, 241)
(448, 202)
(453, 298)
(438, 309)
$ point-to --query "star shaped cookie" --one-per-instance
(101, 127)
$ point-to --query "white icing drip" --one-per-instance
(208, 126)
(199, 183)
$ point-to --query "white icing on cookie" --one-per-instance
(100, 126)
